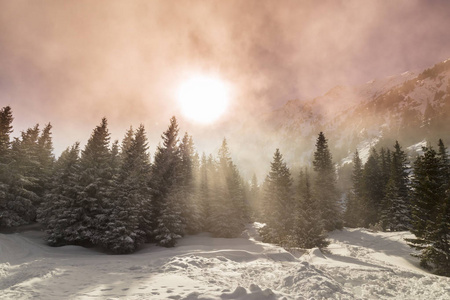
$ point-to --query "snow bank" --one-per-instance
(358, 264)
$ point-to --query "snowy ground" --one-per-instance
(359, 265)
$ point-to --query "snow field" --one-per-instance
(358, 264)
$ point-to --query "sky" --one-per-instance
(73, 62)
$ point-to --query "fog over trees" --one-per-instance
(113, 195)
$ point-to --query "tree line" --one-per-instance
(112, 195)
(390, 194)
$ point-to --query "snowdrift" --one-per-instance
(357, 265)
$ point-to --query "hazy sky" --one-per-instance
(73, 62)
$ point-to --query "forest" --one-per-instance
(111, 194)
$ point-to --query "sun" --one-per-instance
(203, 99)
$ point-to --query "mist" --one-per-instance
(72, 63)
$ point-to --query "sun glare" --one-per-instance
(203, 99)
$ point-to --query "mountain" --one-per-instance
(412, 107)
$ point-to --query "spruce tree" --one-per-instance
(355, 205)
(325, 189)
(164, 182)
(396, 214)
(6, 129)
(430, 210)
(307, 232)
(129, 220)
(373, 191)
(228, 204)
(28, 171)
(190, 205)
(92, 207)
(12, 212)
(278, 202)
(254, 199)
(57, 212)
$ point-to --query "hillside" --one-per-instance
(410, 107)
(359, 264)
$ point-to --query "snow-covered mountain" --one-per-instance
(411, 107)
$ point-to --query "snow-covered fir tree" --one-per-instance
(254, 199)
(325, 190)
(355, 205)
(57, 212)
(396, 214)
(15, 206)
(129, 220)
(228, 211)
(373, 190)
(164, 181)
(190, 204)
(278, 202)
(431, 209)
(27, 175)
(93, 201)
(204, 188)
(308, 231)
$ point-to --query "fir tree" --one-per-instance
(373, 191)
(396, 213)
(254, 199)
(430, 210)
(164, 181)
(325, 185)
(6, 129)
(29, 168)
(278, 202)
(355, 205)
(205, 189)
(228, 211)
(90, 211)
(14, 210)
(307, 232)
(57, 212)
(129, 220)
(126, 142)
(190, 206)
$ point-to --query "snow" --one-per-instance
(358, 264)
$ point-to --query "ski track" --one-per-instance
(358, 264)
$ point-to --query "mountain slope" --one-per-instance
(411, 107)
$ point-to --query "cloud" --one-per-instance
(74, 62)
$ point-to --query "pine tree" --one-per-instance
(355, 206)
(116, 159)
(278, 202)
(57, 212)
(126, 142)
(12, 212)
(431, 210)
(190, 206)
(228, 211)
(204, 190)
(164, 182)
(325, 185)
(373, 191)
(129, 220)
(396, 213)
(6, 129)
(28, 177)
(90, 211)
(385, 165)
(254, 199)
(308, 232)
